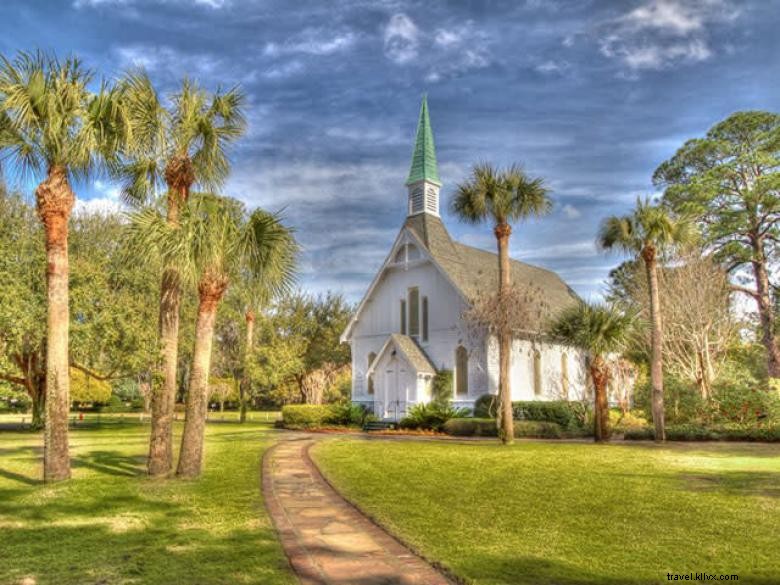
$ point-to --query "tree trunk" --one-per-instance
(600, 374)
(506, 428)
(163, 400)
(38, 397)
(164, 395)
(656, 341)
(243, 389)
(765, 312)
(55, 199)
(210, 292)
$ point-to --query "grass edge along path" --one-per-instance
(112, 525)
(544, 513)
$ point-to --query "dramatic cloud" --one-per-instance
(313, 42)
(401, 39)
(661, 33)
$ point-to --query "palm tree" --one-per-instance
(648, 231)
(216, 243)
(54, 129)
(174, 148)
(600, 330)
(501, 197)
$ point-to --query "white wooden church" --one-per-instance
(409, 324)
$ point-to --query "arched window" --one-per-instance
(425, 318)
(371, 358)
(537, 372)
(565, 374)
(461, 371)
(414, 312)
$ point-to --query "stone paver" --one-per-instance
(328, 541)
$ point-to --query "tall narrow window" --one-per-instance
(425, 318)
(565, 375)
(371, 358)
(403, 317)
(414, 312)
(461, 371)
(537, 372)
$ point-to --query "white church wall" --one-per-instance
(381, 317)
(551, 358)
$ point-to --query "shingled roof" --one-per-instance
(475, 272)
(411, 351)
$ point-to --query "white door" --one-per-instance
(395, 390)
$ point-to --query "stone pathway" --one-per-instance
(327, 540)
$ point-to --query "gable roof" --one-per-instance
(412, 352)
(475, 271)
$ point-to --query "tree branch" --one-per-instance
(101, 377)
(743, 289)
(13, 379)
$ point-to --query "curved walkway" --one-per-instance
(327, 540)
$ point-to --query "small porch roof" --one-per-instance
(411, 352)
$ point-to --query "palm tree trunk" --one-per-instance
(600, 375)
(506, 428)
(656, 341)
(244, 386)
(164, 395)
(163, 400)
(210, 293)
(55, 201)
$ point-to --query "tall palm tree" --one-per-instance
(174, 147)
(501, 197)
(600, 330)
(54, 129)
(216, 243)
(647, 232)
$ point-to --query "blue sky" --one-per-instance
(591, 95)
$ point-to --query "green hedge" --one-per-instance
(570, 415)
(486, 427)
(312, 416)
(769, 434)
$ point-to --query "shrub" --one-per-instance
(724, 432)
(441, 388)
(486, 427)
(471, 427)
(567, 414)
(431, 416)
(621, 422)
(485, 406)
(347, 414)
(115, 405)
(307, 416)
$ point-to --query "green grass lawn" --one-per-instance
(112, 525)
(565, 513)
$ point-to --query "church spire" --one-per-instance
(424, 167)
(423, 182)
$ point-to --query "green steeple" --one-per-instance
(424, 165)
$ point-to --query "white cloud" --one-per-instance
(570, 212)
(401, 39)
(661, 33)
(106, 202)
(283, 70)
(552, 67)
(313, 42)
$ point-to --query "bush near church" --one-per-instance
(569, 414)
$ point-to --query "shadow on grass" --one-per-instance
(734, 483)
(158, 551)
(111, 463)
(526, 570)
